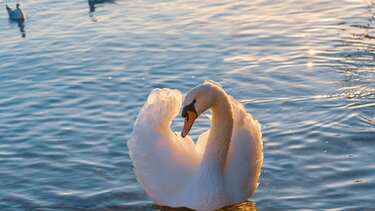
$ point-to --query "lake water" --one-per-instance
(72, 82)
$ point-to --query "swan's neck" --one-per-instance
(218, 142)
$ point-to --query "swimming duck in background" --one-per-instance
(16, 14)
(221, 169)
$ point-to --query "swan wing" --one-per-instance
(163, 160)
(200, 146)
(12, 14)
(245, 155)
(8, 8)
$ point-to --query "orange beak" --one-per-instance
(188, 123)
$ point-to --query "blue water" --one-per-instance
(73, 80)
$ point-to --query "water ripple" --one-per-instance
(71, 88)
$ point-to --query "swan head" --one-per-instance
(198, 100)
(18, 5)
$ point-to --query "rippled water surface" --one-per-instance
(74, 75)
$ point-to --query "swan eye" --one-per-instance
(189, 107)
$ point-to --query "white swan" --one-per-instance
(16, 14)
(221, 169)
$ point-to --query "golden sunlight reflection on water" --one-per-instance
(247, 205)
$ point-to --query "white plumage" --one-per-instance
(221, 169)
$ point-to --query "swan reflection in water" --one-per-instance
(247, 205)
(21, 26)
(92, 7)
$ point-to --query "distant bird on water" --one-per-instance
(16, 14)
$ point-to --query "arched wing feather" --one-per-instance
(245, 155)
(163, 160)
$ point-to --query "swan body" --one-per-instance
(221, 169)
(16, 14)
